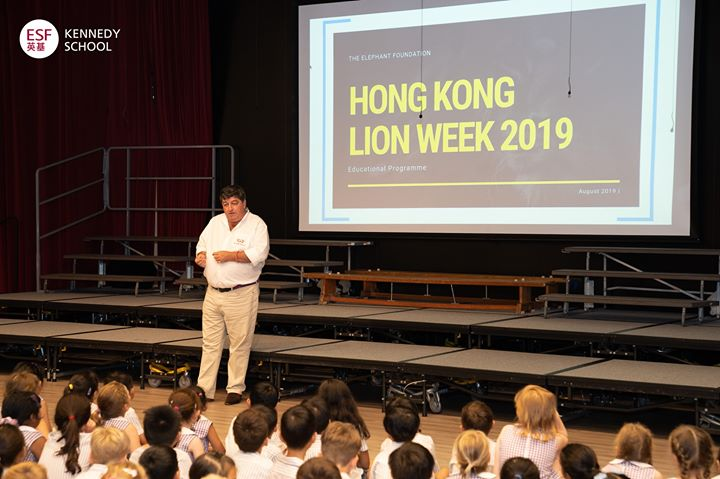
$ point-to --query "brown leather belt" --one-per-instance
(237, 286)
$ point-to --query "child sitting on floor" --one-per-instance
(113, 401)
(162, 426)
(107, 445)
(187, 404)
(633, 453)
(251, 432)
(67, 450)
(204, 427)
(24, 407)
(126, 380)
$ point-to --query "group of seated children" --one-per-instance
(98, 434)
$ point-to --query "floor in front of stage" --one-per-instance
(596, 430)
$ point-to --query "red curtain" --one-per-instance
(153, 88)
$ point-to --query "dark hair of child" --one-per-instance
(185, 402)
(84, 382)
(411, 461)
(212, 462)
(477, 415)
(12, 444)
(579, 461)
(519, 468)
(71, 414)
(401, 423)
(270, 417)
(319, 410)
(297, 427)
(161, 425)
(250, 429)
(21, 406)
(318, 468)
(200, 392)
(341, 404)
(264, 394)
(159, 462)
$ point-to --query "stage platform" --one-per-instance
(634, 328)
(449, 352)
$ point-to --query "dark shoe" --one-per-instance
(233, 398)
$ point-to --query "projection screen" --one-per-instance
(503, 117)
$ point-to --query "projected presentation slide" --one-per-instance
(513, 116)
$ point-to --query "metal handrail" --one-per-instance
(38, 202)
(107, 182)
(129, 179)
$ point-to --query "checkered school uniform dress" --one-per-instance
(186, 437)
(512, 443)
(118, 423)
(202, 428)
(30, 434)
(632, 469)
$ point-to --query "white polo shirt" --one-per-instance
(250, 236)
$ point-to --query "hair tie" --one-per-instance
(9, 420)
(71, 417)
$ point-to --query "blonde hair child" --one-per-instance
(633, 453)
(113, 401)
(539, 434)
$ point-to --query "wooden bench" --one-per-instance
(681, 303)
(371, 295)
(262, 284)
(105, 278)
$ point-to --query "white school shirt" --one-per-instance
(315, 448)
(55, 464)
(132, 416)
(423, 439)
(286, 467)
(251, 465)
(250, 236)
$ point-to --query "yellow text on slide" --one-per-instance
(388, 99)
(456, 137)
(448, 95)
(378, 140)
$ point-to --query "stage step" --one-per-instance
(682, 303)
(106, 278)
(601, 273)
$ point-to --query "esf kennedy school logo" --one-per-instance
(39, 39)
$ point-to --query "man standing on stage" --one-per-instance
(232, 248)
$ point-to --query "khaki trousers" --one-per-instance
(233, 313)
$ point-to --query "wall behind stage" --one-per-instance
(254, 71)
(153, 88)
